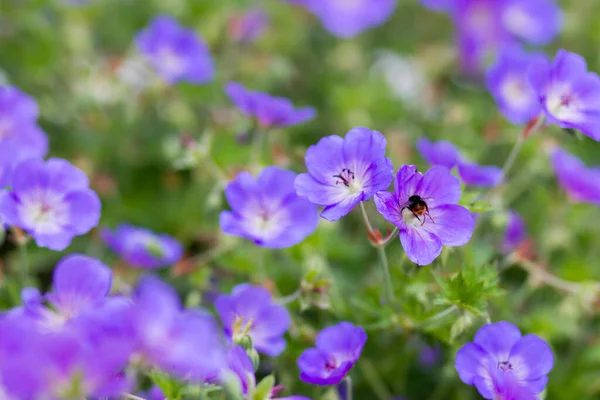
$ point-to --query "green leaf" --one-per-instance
(470, 288)
(263, 390)
(172, 389)
(463, 323)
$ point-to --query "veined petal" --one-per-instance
(438, 187)
(337, 211)
(452, 223)
(363, 147)
(421, 246)
(326, 159)
(498, 339)
(531, 358)
(388, 206)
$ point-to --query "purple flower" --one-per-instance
(486, 26)
(269, 111)
(50, 200)
(153, 394)
(533, 21)
(508, 82)
(267, 209)
(175, 52)
(446, 154)
(515, 234)
(439, 153)
(239, 363)
(438, 5)
(581, 184)
(501, 363)
(195, 348)
(425, 209)
(247, 27)
(342, 172)
(337, 349)
(80, 284)
(20, 137)
(568, 93)
(349, 18)
(142, 248)
(250, 310)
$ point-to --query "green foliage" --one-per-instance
(470, 289)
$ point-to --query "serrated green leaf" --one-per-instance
(172, 389)
(470, 288)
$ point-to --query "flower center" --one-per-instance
(331, 364)
(346, 177)
(241, 329)
(171, 61)
(415, 212)
(505, 366)
(45, 212)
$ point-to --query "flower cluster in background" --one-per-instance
(148, 249)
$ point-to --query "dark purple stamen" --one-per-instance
(345, 177)
(505, 366)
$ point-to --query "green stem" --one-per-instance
(390, 237)
(348, 387)
(389, 290)
(366, 217)
(24, 261)
(369, 371)
(288, 299)
(439, 316)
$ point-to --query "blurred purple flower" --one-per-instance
(349, 18)
(507, 80)
(436, 221)
(502, 364)
(342, 172)
(568, 93)
(250, 310)
(533, 21)
(176, 53)
(50, 200)
(239, 362)
(80, 284)
(267, 209)
(485, 27)
(429, 355)
(439, 153)
(20, 137)
(269, 111)
(153, 394)
(195, 348)
(582, 184)
(140, 247)
(249, 26)
(337, 349)
(515, 234)
(446, 154)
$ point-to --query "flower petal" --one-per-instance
(326, 159)
(362, 147)
(439, 187)
(498, 339)
(337, 211)
(469, 361)
(406, 183)
(421, 246)
(80, 282)
(84, 210)
(479, 175)
(438, 153)
(452, 223)
(388, 206)
(531, 358)
(316, 192)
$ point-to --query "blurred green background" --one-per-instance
(102, 112)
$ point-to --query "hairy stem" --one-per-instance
(389, 290)
(131, 396)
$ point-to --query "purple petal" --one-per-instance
(326, 159)
(469, 361)
(337, 211)
(453, 224)
(387, 204)
(79, 282)
(438, 187)
(535, 21)
(438, 153)
(498, 339)
(531, 358)
(84, 210)
(477, 175)
(64, 177)
(407, 182)
(56, 242)
(582, 184)
(30, 175)
(516, 232)
(421, 246)
(362, 147)
(317, 192)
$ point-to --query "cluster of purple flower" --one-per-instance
(485, 27)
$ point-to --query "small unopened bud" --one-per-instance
(253, 354)
(246, 342)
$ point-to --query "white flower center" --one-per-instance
(171, 63)
(45, 212)
(517, 21)
(346, 178)
(514, 90)
(563, 105)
